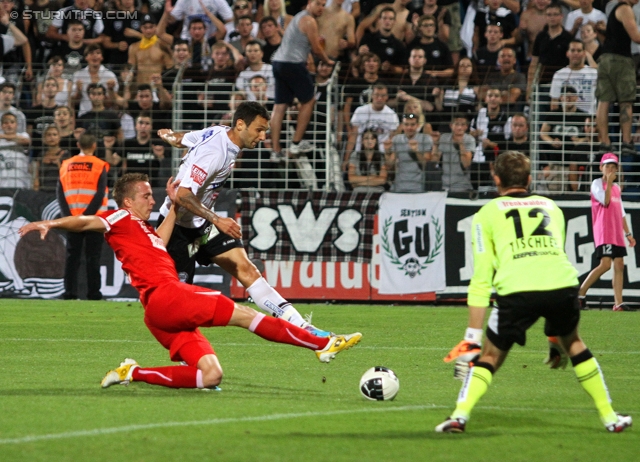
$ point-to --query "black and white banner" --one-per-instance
(309, 226)
(33, 268)
(412, 229)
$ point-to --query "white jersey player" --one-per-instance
(201, 235)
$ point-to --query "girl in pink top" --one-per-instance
(609, 231)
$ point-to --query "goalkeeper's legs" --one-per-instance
(589, 375)
(478, 380)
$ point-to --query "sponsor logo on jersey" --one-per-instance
(198, 175)
(80, 167)
(117, 216)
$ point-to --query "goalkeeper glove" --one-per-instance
(465, 353)
(557, 357)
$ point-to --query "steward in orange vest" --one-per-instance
(82, 190)
(83, 181)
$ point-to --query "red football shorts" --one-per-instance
(173, 313)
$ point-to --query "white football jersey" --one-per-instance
(203, 170)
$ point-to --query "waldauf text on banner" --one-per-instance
(412, 229)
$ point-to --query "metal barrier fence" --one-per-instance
(562, 143)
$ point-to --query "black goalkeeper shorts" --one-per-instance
(516, 313)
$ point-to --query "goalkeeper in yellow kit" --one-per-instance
(518, 249)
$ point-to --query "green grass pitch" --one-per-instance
(279, 403)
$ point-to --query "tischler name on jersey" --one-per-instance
(532, 243)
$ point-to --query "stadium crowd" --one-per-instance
(429, 91)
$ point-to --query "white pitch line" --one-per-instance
(262, 418)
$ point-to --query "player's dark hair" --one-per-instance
(513, 168)
(143, 87)
(248, 111)
(125, 186)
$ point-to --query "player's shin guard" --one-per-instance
(590, 377)
(474, 387)
(169, 376)
(272, 302)
(278, 330)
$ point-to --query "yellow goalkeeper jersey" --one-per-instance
(518, 246)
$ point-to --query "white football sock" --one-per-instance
(272, 302)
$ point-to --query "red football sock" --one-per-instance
(168, 376)
(278, 330)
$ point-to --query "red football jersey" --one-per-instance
(140, 250)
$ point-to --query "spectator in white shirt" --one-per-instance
(583, 15)
(577, 75)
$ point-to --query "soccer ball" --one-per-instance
(379, 384)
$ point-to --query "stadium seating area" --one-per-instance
(123, 69)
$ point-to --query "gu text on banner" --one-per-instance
(412, 229)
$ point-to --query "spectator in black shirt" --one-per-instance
(384, 44)
(91, 20)
(486, 56)
(72, 50)
(41, 115)
(159, 111)
(493, 13)
(272, 37)
(63, 120)
(550, 48)
(143, 154)
(99, 121)
(120, 32)
(439, 60)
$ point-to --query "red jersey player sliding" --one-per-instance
(173, 311)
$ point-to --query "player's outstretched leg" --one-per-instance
(269, 300)
(167, 376)
(278, 330)
(236, 262)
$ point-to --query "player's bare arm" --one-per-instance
(76, 224)
(171, 137)
(185, 198)
(166, 227)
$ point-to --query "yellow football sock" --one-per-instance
(472, 390)
(591, 378)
